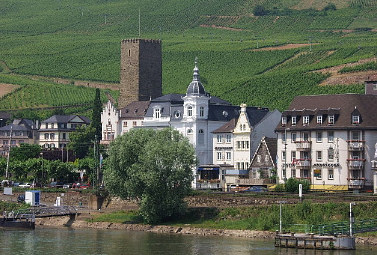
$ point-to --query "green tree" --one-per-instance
(60, 171)
(81, 141)
(96, 117)
(260, 10)
(87, 164)
(154, 167)
(25, 151)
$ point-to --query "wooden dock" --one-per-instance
(312, 241)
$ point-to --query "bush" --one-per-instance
(292, 185)
(260, 10)
(329, 7)
(280, 188)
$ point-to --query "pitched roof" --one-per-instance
(15, 127)
(272, 147)
(136, 109)
(229, 112)
(271, 144)
(5, 115)
(65, 119)
(227, 127)
(341, 106)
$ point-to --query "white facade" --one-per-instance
(54, 132)
(110, 123)
(332, 146)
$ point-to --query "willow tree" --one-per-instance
(154, 167)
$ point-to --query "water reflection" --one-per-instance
(68, 241)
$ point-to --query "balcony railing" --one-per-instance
(302, 163)
(254, 181)
(355, 145)
(356, 163)
(356, 182)
(303, 145)
(208, 184)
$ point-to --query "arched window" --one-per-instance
(189, 131)
(189, 111)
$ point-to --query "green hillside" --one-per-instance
(81, 40)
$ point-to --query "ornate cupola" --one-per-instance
(196, 88)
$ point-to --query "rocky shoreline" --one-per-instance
(82, 223)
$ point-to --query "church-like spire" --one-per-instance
(196, 76)
(196, 87)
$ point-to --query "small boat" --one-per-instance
(12, 220)
(16, 223)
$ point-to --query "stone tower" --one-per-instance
(140, 71)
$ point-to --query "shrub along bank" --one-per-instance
(262, 217)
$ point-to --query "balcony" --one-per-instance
(356, 163)
(355, 145)
(356, 183)
(303, 145)
(303, 163)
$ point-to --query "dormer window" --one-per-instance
(355, 119)
(319, 119)
(294, 121)
(331, 119)
(189, 111)
(157, 113)
(283, 121)
(305, 120)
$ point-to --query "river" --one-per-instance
(65, 241)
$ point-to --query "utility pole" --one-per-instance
(10, 141)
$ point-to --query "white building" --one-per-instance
(195, 114)
(117, 122)
(329, 140)
(54, 131)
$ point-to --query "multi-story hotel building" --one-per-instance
(329, 140)
(54, 131)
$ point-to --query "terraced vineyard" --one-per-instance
(81, 40)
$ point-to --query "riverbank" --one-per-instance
(82, 222)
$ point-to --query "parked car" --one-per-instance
(84, 186)
(56, 185)
(25, 185)
(67, 185)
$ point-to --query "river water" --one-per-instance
(65, 241)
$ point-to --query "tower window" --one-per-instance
(201, 111)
